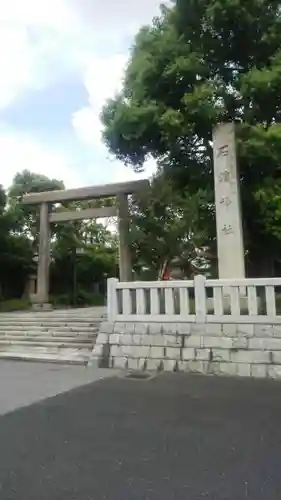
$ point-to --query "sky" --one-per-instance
(59, 62)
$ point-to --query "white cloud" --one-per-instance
(34, 34)
(19, 152)
(29, 36)
(116, 18)
(39, 41)
(15, 64)
(103, 78)
(122, 173)
(55, 13)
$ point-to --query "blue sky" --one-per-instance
(59, 61)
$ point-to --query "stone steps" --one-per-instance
(41, 346)
(46, 336)
(55, 336)
(46, 341)
(49, 328)
(50, 321)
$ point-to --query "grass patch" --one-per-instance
(15, 305)
(83, 299)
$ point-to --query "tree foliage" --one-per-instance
(199, 63)
(83, 253)
(26, 217)
(15, 254)
(166, 225)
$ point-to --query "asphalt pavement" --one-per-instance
(172, 437)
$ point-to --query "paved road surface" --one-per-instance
(174, 437)
(23, 383)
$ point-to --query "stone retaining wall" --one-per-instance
(227, 349)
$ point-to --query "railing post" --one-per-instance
(112, 306)
(200, 298)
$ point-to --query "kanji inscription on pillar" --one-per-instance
(227, 199)
(222, 150)
(227, 229)
(225, 176)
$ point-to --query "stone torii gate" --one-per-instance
(120, 209)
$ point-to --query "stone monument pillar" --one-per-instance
(41, 299)
(125, 265)
(231, 261)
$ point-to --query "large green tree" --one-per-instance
(166, 225)
(199, 63)
(26, 217)
(84, 255)
(15, 254)
(83, 252)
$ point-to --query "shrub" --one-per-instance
(15, 305)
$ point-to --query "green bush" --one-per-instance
(84, 298)
(62, 300)
(15, 305)
(90, 298)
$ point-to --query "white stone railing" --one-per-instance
(196, 301)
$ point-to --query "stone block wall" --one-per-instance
(248, 350)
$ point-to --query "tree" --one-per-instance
(165, 225)
(200, 63)
(26, 217)
(15, 255)
(19, 230)
(84, 254)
